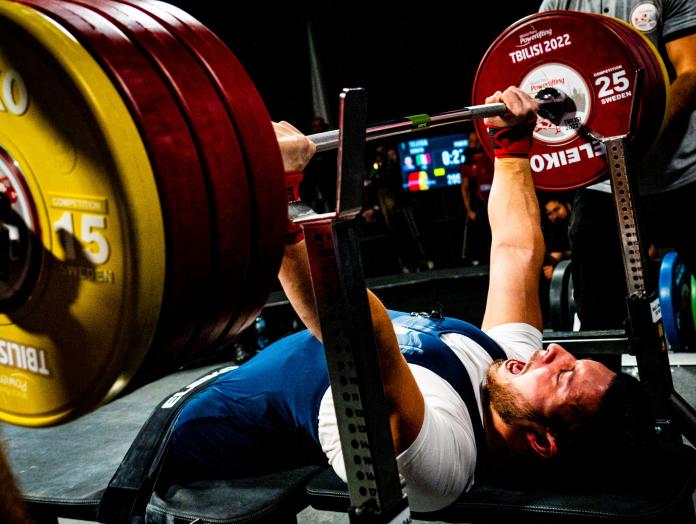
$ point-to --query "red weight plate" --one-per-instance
(653, 95)
(644, 116)
(258, 142)
(575, 53)
(228, 187)
(175, 162)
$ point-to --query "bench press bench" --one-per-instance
(667, 498)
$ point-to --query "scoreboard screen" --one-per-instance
(429, 163)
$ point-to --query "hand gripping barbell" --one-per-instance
(554, 105)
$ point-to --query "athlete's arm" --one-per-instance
(517, 249)
(404, 399)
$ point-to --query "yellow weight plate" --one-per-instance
(77, 174)
(664, 76)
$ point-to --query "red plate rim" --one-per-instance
(653, 88)
(630, 57)
(223, 163)
(247, 111)
(171, 150)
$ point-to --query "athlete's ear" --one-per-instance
(541, 441)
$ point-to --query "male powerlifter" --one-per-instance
(534, 406)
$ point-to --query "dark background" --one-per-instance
(412, 58)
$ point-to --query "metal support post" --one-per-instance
(645, 330)
(346, 326)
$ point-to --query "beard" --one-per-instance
(505, 399)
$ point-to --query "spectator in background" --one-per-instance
(477, 176)
(397, 209)
(318, 125)
(371, 214)
(389, 183)
(555, 229)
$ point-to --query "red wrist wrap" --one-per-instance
(294, 232)
(512, 142)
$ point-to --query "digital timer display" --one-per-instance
(429, 163)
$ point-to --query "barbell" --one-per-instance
(143, 209)
(553, 105)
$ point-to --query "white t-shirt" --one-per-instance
(439, 466)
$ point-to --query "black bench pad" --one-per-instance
(666, 499)
(272, 498)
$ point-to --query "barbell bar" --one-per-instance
(126, 212)
(553, 105)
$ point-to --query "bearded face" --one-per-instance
(505, 399)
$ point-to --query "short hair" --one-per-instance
(617, 439)
(611, 446)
